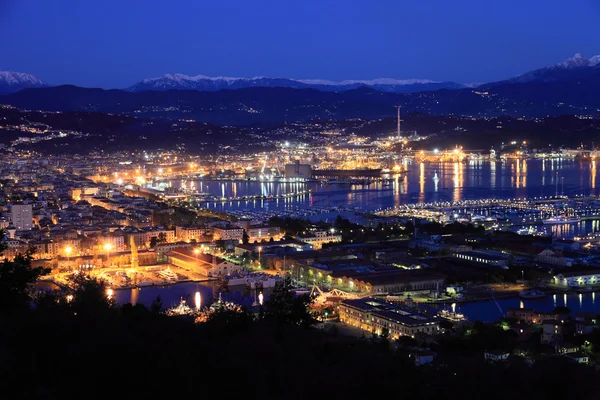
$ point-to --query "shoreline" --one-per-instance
(554, 291)
(163, 284)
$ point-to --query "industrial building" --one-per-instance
(298, 171)
(373, 315)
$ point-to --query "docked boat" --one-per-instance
(527, 231)
(561, 219)
(477, 218)
(168, 275)
(181, 309)
(301, 291)
(532, 294)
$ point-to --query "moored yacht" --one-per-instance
(561, 219)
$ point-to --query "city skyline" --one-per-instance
(118, 45)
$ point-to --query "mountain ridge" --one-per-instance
(207, 83)
(280, 104)
(11, 81)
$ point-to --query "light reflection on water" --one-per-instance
(204, 293)
(487, 311)
(425, 182)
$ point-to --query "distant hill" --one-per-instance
(110, 132)
(572, 69)
(208, 83)
(14, 81)
(567, 88)
(249, 105)
(277, 104)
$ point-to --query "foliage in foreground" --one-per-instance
(88, 347)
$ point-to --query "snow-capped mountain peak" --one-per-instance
(14, 81)
(16, 78)
(575, 67)
(211, 83)
(578, 60)
(197, 78)
(368, 82)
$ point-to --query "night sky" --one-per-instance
(115, 43)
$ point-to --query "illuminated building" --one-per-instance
(577, 278)
(318, 238)
(372, 315)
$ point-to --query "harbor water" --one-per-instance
(490, 310)
(424, 182)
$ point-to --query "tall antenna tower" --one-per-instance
(398, 130)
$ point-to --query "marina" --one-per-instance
(421, 182)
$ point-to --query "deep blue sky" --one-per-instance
(115, 43)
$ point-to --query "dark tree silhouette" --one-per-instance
(284, 307)
(16, 281)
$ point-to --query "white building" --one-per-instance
(21, 216)
(228, 233)
(550, 257)
(577, 278)
(319, 238)
(258, 233)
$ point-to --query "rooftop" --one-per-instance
(391, 312)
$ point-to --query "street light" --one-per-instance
(108, 247)
(259, 250)
(68, 251)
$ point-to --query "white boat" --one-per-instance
(168, 274)
(301, 291)
(144, 284)
(561, 219)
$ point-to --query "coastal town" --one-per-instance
(403, 272)
(299, 200)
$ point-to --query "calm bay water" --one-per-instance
(424, 182)
(489, 310)
(171, 295)
(486, 311)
